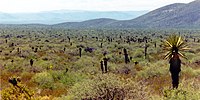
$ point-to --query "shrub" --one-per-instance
(188, 90)
(86, 65)
(107, 87)
(44, 80)
(19, 92)
(151, 70)
(99, 87)
(70, 78)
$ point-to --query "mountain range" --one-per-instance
(178, 15)
(59, 16)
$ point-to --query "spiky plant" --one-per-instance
(174, 45)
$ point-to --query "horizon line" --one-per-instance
(78, 11)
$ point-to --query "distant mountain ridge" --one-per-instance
(94, 23)
(59, 16)
(178, 15)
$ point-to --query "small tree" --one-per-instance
(173, 45)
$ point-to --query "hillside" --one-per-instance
(176, 15)
(95, 23)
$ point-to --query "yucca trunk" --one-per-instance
(175, 68)
(126, 56)
(80, 49)
(105, 64)
(101, 63)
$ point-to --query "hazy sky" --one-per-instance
(97, 5)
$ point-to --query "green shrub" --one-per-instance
(70, 78)
(86, 65)
(188, 90)
(175, 94)
(94, 88)
(156, 69)
(107, 87)
(44, 80)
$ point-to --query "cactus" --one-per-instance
(145, 51)
(12, 61)
(136, 63)
(97, 39)
(126, 56)
(131, 58)
(31, 62)
(11, 45)
(14, 81)
(66, 70)
(18, 50)
(69, 39)
(32, 48)
(36, 49)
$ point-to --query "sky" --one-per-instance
(16, 6)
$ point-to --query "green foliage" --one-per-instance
(189, 90)
(70, 78)
(108, 86)
(151, 70)
(175, 94)
(86, 64)
(44, 80)
(146, 80)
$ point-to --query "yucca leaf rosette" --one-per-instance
(175, 44)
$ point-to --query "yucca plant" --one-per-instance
(173, 46)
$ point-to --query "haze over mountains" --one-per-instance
(178, 15)
(60, 16)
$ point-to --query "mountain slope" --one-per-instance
(95, 23)
(171, 16)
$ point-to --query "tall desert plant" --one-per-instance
(173, 46)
